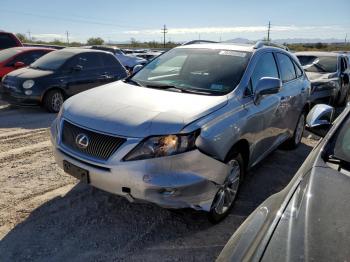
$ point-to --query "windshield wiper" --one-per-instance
(129, 80)
(183, 90)
(342, 164)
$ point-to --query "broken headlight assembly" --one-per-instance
(160, 146)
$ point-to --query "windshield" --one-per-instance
(52, 61)
(213, 71)
(341, 142)
(319, 64)
(7, 53)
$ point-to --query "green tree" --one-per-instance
(22, 37)
(95, 41)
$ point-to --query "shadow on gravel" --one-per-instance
(90, 225)
(27, 118)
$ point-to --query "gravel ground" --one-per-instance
(46, 215)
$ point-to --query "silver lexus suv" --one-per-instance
(183, 131)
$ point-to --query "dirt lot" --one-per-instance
(46, 215)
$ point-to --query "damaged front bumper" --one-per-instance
(190, 179)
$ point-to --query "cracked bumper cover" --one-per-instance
(185, 180)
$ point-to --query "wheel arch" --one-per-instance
(50, 89)
(242, 147)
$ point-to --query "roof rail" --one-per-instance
(261, 44)
(198, 42)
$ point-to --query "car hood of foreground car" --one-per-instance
(313, 226)
(315, 77)
(133, 111)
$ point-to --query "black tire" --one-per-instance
(214, 216)
(295, 140)
(53, 101)
(345, 100)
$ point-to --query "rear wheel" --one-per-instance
(53, 101)
(295, 140)
(227, 193)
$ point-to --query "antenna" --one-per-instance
(164, 31)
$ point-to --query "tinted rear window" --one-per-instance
(7, 41)
(8, 53)
(52, 61)
(321, 64)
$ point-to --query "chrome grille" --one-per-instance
(100, 146)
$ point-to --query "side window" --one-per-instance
(112, 62)
(286, 67)
(266, 67)
(25, 58)
(298, 71)
(86, 60)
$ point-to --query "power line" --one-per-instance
(67, 33)
(164, 31)
(29, 35)
(268, 32)
(66, 19)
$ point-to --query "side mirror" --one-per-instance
(267, 86)
(18, 64)
(136, 68)
(319, 119)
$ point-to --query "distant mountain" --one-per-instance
(308, 40)
(239, 40)
(289, 40)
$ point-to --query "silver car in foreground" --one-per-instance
(183, 130)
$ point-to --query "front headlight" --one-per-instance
(28, 84)
(159, 146)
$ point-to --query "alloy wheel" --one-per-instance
(228, 191)
(57, 101)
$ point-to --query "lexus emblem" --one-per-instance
(82, 141)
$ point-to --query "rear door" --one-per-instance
(88, 75)
(291, 93)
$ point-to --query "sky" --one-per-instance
(185, 20)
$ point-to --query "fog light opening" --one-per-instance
(169, 191)
(28, 92)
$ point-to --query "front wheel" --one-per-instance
(53, 101)
(227, 192)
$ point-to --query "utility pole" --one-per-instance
(67, 34)
(29, 35)
(346, 36)
(268, 32)
(164, 30)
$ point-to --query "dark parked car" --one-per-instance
(18, 57)
(329, 76)
(309, 219)
(58, 75)
(8, 40)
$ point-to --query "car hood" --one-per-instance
(29, 73)
(133, 111)
(316, 77)
(316, 223)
